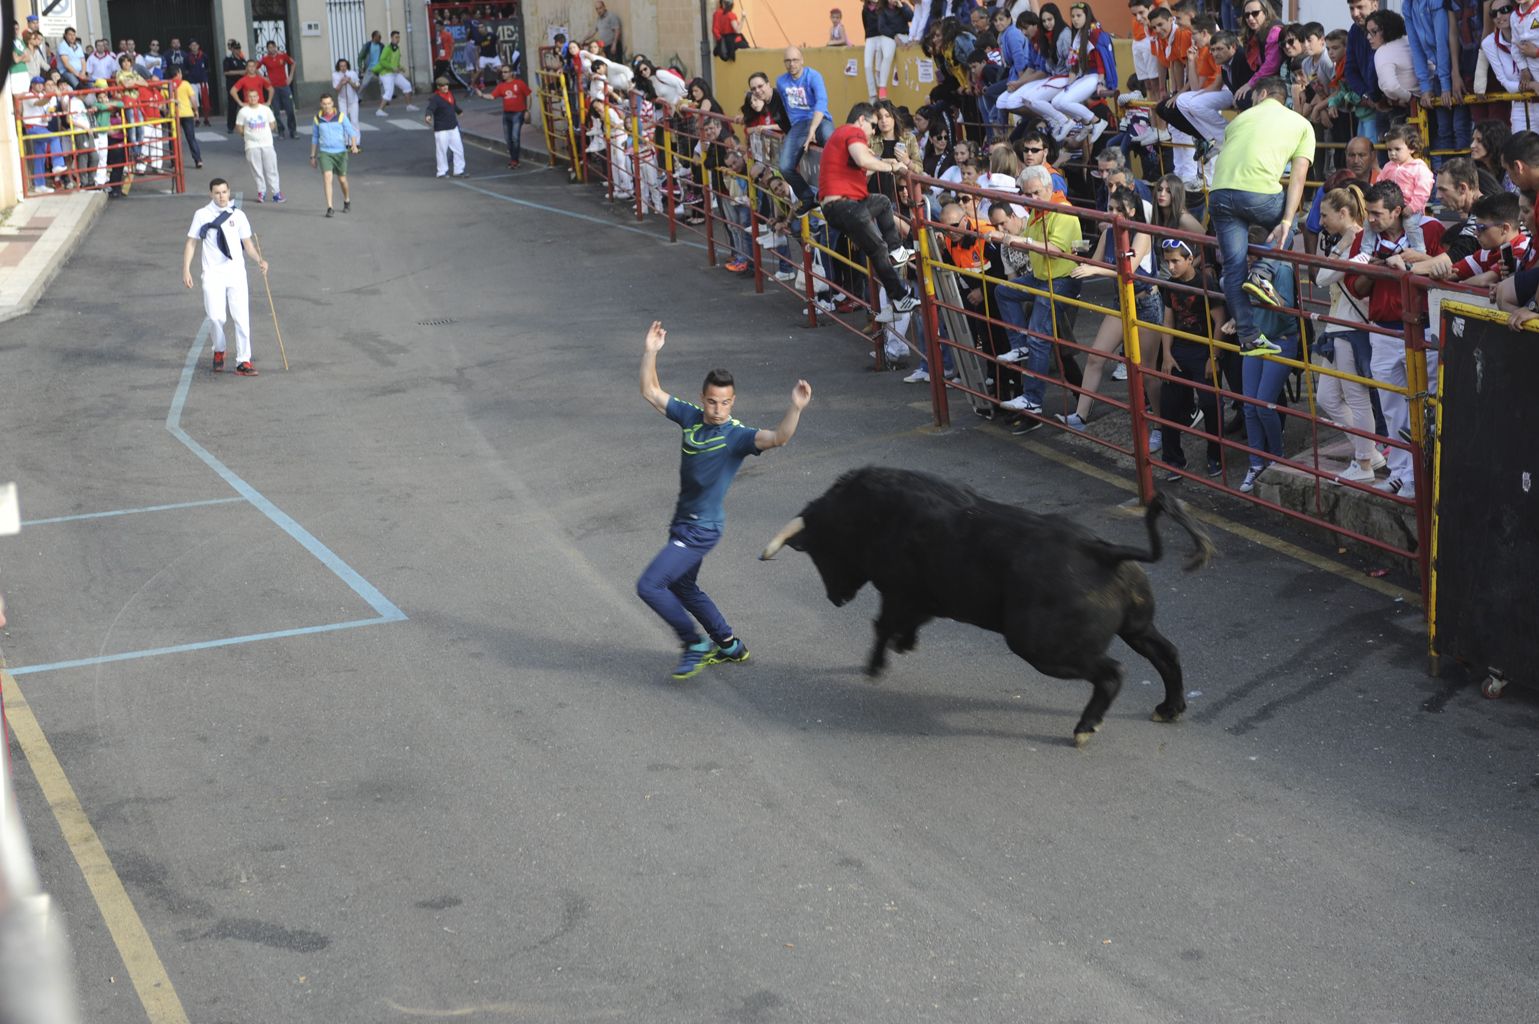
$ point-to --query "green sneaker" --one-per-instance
(1262, 289)
(735, 652)
(1262, 346)
(696, 657)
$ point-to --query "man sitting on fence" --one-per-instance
(805, 100)
(854, 212)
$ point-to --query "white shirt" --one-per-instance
(345, 82)
(1525, 29)
(258, 124)
(235, 230)
(103, 65)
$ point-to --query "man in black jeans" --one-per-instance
(865, 219)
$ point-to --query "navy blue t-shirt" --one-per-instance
(710, 459)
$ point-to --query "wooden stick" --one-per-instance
(276, 329)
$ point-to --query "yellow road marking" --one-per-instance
(1218, 521)
(145, 970)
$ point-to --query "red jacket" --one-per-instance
(1384, 301)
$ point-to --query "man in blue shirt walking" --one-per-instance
(715, 445)
(805, 99)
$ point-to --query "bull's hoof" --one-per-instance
(875, 671)
(1082, 734)
(1165, 714)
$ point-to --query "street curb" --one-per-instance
(73, 216)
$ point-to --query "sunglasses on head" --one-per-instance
(1172, 244)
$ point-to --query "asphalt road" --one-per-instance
(500, 807)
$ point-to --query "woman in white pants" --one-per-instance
(1086, 50)
(344, 82)
(883, 21)
(1346, 402)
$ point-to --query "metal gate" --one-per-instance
(345, 20)
(269, 21)
(143, 20)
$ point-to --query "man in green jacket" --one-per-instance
(388, 69)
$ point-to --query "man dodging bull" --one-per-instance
(934, 549)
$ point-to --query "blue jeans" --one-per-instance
(668, 584)
(1233, 213)
(791, 154)
(513, 132)
(283, 101)
(1263, 379)
(1039, 351)
(44, 151)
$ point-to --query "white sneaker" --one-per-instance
(1121, 372)
(823, 306)
(1356, 474)
(1020, 403)
(1015, 355)
(886, 315)
(380, 113)
(1063, 130)
(42, 190)
(412, 106)
(785, 275)
(919, 376)
(1096, 130)
(901, 255)
(1128, 97)
(1251, 476)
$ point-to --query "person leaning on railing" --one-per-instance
(1500, 56)
(1386, 236)
(1050, 236)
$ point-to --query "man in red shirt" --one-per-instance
(252, 79)
(863, 218)
(514, 93)
(443, 52)
(279, 67)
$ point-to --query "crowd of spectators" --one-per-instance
(1229, 111)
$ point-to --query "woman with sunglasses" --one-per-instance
(1087, 52)
(1487, 141)
(1501, 57)
(1146, 300)
(1262, 41)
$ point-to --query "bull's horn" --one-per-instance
(788, 531)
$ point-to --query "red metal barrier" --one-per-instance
(98, 138)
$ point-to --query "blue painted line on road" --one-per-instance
(574, 215)
(130, 511)
(362, 587)
(202, 645)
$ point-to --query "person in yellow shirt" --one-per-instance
(184, 102)
(1050, 234)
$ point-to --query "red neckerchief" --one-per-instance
(448, 97)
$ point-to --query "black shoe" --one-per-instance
(328, 211)
(803, 208)
(1024, 425)
(1172, 477)
(347, 206)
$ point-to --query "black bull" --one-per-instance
(1056, 591)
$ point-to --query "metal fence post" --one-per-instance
(1130, 347)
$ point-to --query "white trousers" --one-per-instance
(264, 166)
(880, 51)
(445, 143)
(1206, 111)
(1038, 97)
(1071, 101)
(1389, 357)
(226, 290)
(1146, 66)
(100, 144)
(1346, 402)
(348, 102)
(1525, 117)
(390, 81)
(1183, 156)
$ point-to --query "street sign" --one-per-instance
(56, 16)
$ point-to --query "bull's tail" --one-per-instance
(1176, 509)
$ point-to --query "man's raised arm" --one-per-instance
(767, 439)
(651, 390)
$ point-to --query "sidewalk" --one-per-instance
(36, 239)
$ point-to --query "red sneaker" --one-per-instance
(218, 362)
(245, 369)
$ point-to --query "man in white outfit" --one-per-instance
(221, 231)
(255, 124)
